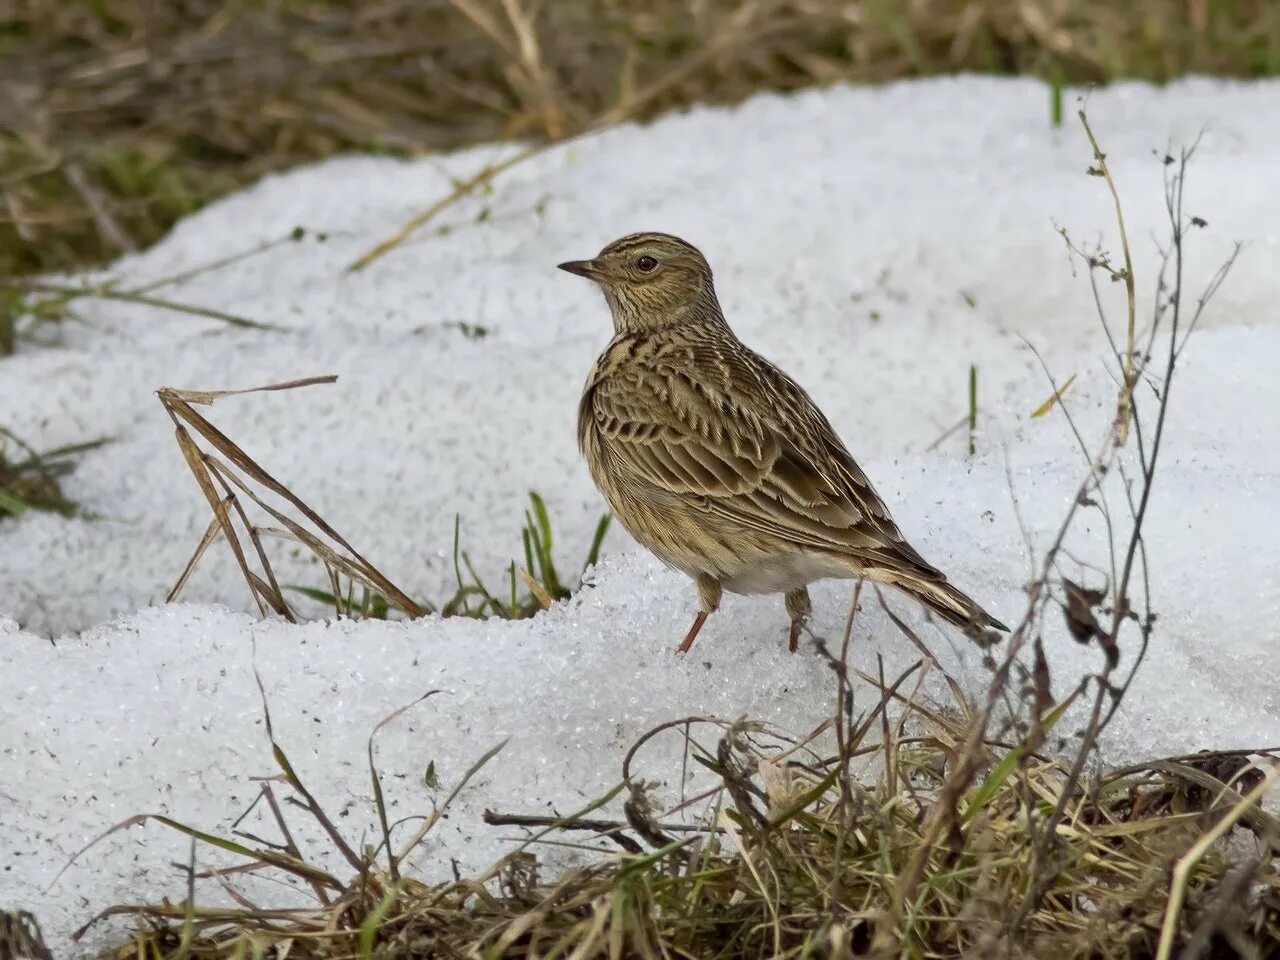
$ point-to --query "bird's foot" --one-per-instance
(693, 632)
(793, 641)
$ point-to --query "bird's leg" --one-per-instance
(798, 608)
(709, 597)
(692, 635)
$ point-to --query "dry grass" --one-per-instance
(29, 478)
(900, 827)
(236, 486)
(795, 851)
(118, 117)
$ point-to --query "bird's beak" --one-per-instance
(583, 268)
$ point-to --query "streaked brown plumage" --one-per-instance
(718, 462)
(20, 937)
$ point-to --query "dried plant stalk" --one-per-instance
(236, 473)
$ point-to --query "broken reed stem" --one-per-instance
(199, 468)
(179, 404)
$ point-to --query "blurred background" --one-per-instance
(117, 117)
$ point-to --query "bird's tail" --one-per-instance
(954, 606)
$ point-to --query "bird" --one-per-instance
(719, 463)
(20, 937)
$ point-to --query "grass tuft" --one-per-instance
(29, 480)
(229, 479)
(472, 598)
(790, 850)
(233, 482)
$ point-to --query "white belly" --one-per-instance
(784, 572)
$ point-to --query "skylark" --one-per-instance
(721, 464)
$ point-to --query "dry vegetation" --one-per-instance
(119, 116)
(798, 853)
(236, 486)
(29, 478)
(900, 827)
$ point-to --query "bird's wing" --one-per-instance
(728, 430)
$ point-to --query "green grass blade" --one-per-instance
(548, 575)
(12, 505)
(370, 925)
(602, 527)
(457, 539)
(1055, 97)
(1009, 762)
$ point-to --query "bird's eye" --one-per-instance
(646, 263)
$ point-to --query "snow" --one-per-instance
(873, 241)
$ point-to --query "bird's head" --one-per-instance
(652, 280)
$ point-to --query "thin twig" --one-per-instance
(1123, 411)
